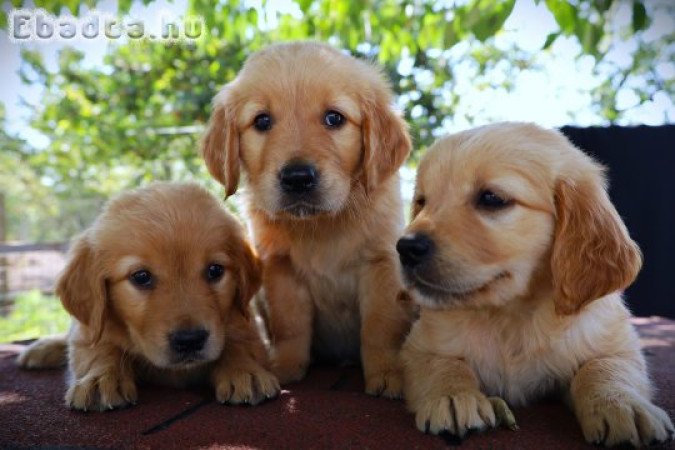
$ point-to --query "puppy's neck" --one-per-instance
(540, 288)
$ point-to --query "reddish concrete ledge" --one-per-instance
(327, 410)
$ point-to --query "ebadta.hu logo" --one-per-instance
(37, 25)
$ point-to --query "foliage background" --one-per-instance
(138, 117)
(33, 314)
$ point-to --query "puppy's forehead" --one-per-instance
(301, 76)
(286, 94)
(128, 263)
(487, 158)
(298, 61)
(167, 249)
(163, 221)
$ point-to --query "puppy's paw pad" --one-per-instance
(456, 414)
(636, 421)
(238, 387)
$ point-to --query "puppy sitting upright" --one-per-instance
(159, 288)
(314, 132)
(516, 256)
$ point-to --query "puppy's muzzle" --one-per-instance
(298, 178)
(187, 342)
(414, 250)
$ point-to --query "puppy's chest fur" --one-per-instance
(525, 358)
(331, 271)
(331, 259)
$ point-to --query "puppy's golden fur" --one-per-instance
(330, 272)
(145, 272)
(520, 292)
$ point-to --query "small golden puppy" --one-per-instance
(516, 257)
(314, 131)
(159, 288)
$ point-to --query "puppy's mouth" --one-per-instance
(443, 291)
(302, 209)
(186, 360)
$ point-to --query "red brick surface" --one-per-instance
(327, 410)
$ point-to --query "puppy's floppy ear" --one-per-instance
(220, 144)
(82, 286)
(249, 273)
(386, 142)
(593, 255)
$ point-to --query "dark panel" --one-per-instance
(641, 163)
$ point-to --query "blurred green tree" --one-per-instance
(32, 211)
(139, 116)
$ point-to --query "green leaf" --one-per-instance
(450, 37)
(565, 15)
(589, 35)
(492, 18)
(640, 20)
(304, 5)
(550, 39)
(123, 6)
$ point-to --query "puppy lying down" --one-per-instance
(159, 288)
(517, 259)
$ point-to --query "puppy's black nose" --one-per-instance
(298, 178)
(414, 249)
(188, 340)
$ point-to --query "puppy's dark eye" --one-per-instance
(333, 119)
(142, 279)
(491, 201)
(420, 202)
(262, 122)
(214, 272)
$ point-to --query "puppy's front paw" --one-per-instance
(45, 353)
(237, 386)
(619, 420)
(383, 376)
(387, 383)
(503, 414)
(456, 413)
(101, 393)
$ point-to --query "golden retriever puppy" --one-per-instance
(159, 288)
(315, 134)
(517, 259)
